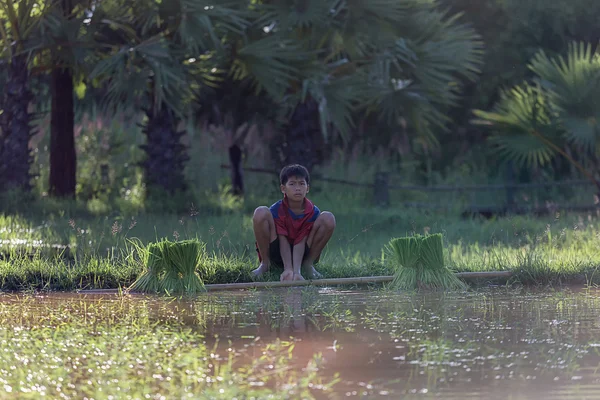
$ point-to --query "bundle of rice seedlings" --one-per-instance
(420, 264)
(181, 260)
(149, 280)
(406, 252)
(435, 273)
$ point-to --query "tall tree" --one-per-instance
(44, 37)
(63, 159)
(233, 110)
(147, 65)
(66, 41)
(333, 60)
(17, 21)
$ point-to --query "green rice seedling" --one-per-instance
(432, 251)
(435, 273)
(149, 280)
(420, 264)
(406, 252)
(181, 260)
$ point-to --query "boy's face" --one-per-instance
(295, 188)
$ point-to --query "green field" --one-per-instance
(64, 246)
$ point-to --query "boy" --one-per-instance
(292, 232)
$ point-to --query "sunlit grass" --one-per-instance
(66, 250)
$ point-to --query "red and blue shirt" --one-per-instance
(294, 226)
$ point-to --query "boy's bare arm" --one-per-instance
(299, 256)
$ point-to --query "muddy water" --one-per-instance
(494, 343)
(490, 344)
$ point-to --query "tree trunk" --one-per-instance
(303, 142)
(237, 176)
(63, 160)
(165, 155)
(15, 155)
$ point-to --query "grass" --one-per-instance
(65, 248)
(50, 244)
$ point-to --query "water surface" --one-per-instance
(493, 343)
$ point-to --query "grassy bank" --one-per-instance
(63, 247)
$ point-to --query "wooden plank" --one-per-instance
(317, 282)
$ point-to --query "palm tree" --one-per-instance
(535, 122)
(233, 110)
(154, 47)
(44, 37)
(384, 58)
(17, 22)
(66, 40)
(63, 159)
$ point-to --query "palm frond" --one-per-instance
(525, 150)
(5, 39)
(419, 73)
(271, 62)
(158, 46)
(523, 122)
(204, 23)
(289, 15)
(362, 57)
(18, 21)
(574, 86)
(67, 38)
(336, 102)
(364, 27)
(445, 48)
(378, 10)
(131, 70)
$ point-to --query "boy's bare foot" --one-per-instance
(262, 268)
(298, 277)
(312, 273)
(287, 275)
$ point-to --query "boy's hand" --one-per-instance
(287, 275)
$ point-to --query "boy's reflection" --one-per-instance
(287, 319)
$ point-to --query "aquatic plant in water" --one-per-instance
(138, 348)
(419, 263)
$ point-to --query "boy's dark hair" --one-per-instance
(293, 170)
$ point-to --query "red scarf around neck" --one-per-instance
(295, 229)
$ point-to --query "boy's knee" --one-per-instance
(261, 213)
(328, 220)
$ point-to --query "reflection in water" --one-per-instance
(489, 344)
(497, 343)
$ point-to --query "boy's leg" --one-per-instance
(317, 239)
(265, 233)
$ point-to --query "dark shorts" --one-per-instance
(275, 253)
